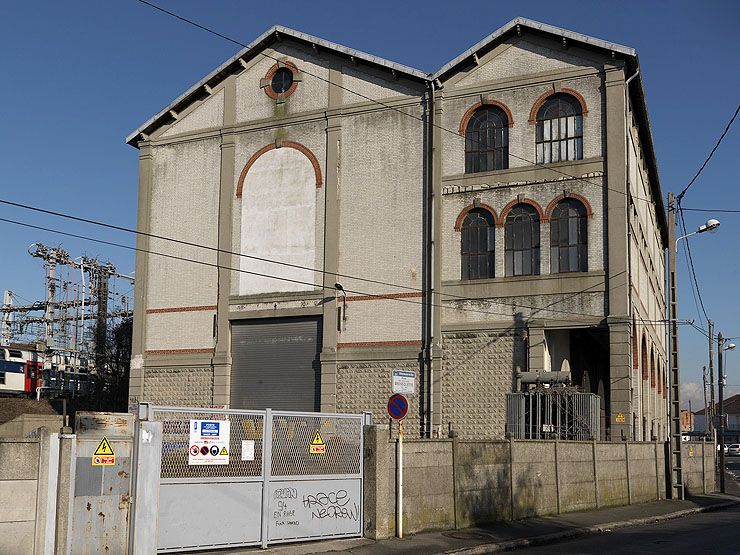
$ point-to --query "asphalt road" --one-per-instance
(717, 533)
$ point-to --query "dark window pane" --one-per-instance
(486, 134)
(282, 80)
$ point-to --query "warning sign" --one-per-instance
(104, 455)
(619, 418)
(209, 442)
(317, 444)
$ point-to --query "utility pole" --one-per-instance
(706, 407)
(676, 475)
(711, 379)
(721, 378)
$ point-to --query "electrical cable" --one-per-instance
(270, 276)
(385, 105)
(692, 277)
(732, 120)
(723, 210)
(261, 259)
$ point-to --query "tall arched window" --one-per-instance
(559, 132)
(568, 237)
(487, 140)
(522, 241)
(476, 245)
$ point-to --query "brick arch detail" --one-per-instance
(461, 218)
(470, 111)
(513, 203)
(635, 348)
(271, 72)
(562, 196)
(544, 96)
(267, 148)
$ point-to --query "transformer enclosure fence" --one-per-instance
(555, 412)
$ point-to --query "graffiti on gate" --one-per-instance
(332, 504)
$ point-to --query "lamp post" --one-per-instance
(722, 379)
(676, 477)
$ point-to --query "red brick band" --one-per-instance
(179, 309)
(178, 351)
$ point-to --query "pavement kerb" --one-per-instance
(572, 533)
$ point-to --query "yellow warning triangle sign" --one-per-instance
(317, 439)
(224, 451)
(104, 448)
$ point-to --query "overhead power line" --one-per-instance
(281, 278)
(276, 262)
(721, 210)
(727, 128)
(388, 106)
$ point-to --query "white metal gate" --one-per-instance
(275, 488)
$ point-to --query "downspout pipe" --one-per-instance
(629, 232)
(427, 265)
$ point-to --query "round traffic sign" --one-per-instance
(398, 406)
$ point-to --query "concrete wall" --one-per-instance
(698, 461)
(24, 424)
(456, 483)
(19, 469)
(31, 480)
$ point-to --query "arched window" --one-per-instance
(568, 237)
(644, 359)
(476, 245)
(559, 131)
(487, 140)
(522, 241)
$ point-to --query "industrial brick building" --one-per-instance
(358, 216)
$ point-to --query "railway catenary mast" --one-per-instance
(72, 329)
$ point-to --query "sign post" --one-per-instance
(398, 407)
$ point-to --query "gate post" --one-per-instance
(266, 473)
(144, 531)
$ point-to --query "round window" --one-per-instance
(282, 80)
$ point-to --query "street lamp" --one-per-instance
(711, 226)
(721, 348)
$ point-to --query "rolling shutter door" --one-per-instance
(275, 364)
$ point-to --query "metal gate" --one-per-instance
(291, 476)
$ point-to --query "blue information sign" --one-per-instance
(398, 406)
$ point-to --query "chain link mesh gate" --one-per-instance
(303, 480)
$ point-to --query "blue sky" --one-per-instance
(79, 76)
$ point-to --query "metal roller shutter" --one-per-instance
(275, 363)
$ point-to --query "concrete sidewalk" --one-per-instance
(503, 536)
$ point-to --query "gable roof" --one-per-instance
(513, 27)
(254, 49)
